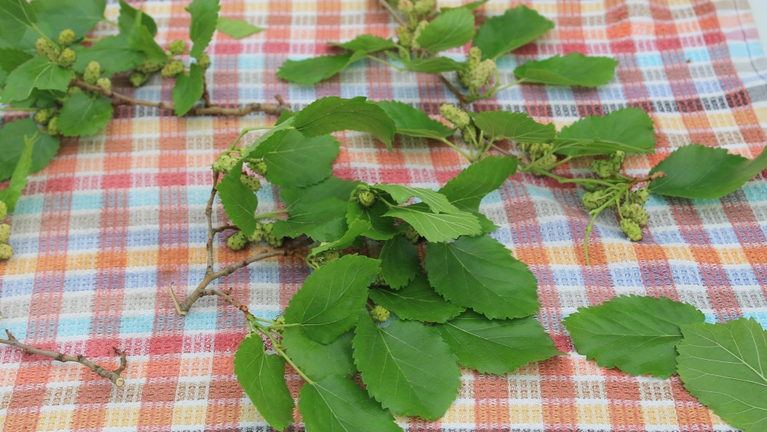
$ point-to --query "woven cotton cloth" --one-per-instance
(102, 233)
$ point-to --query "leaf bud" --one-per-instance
(66, 37)
(379, 314)
(258, 166)
(631, 229)
(172, 68)
(43, 116)
(417, 32)
(404, 36)
(455, 115)
(53, 126)
(425, 7)
(92, 73)
(104, 83)
(45, 48)
(253, 183)
(5, 233)
(6, 252)
(237, 241)
(177, 47)
(137, 79)
(3, 211)
(203, 61)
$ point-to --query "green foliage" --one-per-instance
(13, 143)
(204, 21)
(11, 58)
(480, 273)
(723, 365)
(333, 114)
(437, 202)
(723, 174)
(82, 115)
(336, 403)
(437, 227)
(237, 29)
(366, 43)
(296, 161)
(407, 367)
(515, 28)
(129, 15)
(80, 16)
(610, 333)
(15, 17)
(497, 346)
(36, 73)
(573, 69)
(434, 65)
(113, 53)
(514, 126)
(416, 301)
(331, 299)
(317, 360)
(316, 69)
(414, 122)
(399, 261)
(467, 189)
(140, 39)
(321, 219)
(450, 29)
(629, 130)
(356, 229)
(240, 203)
(11, 194)
(381, 227)
(262, 376)
(188, 90)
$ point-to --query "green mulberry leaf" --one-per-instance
(237, 29)
(366, 43)
(262, 376)
(338, 404)
(295, 161)
(332, 187)
(141, 39)
(437, 227)
(316, 69)
(204, 21)
(434, 65)
(437, 202)
(696, 171)
(414, 122)
(629, 130)
(316, 360)
(12, 139)
(356, 229)
(381, 226)
(11, 194)
(332, 114)
(636, 334)
(516, 27)
(450, 29)
(407, 367)
(573, 69)
(113, 53)
(467, 189)
(416, 301)
(37, 73)
(497, 346)
(322, 220)
(16, 16)
(80, 16)
(331, 299)
(514, 126)
(399, 261)
(723, 365)
(129, 15)
(188, 90)
(240, 203)
(480, 273)
(82, 115)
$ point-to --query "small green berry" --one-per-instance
(412, 235)
(46, 49)
(455, 115)
(66, 37)
(237, 241)
(379, 280)
(258, 166)
(327, 256)
(203, 61)
(365, 196)
(404, 36)
(253, 183)
(474, 57)
(469, 135)
(405, 7)
(3, 211)
(74, 90)
(256, 237)
(43, 116)
(173, 68)
(137, 79)
(224, 163)
(150, 67)
(636, 213)
(177, 47)
(632, 230)
(379, 314)
(417, 32)
(273, 240)
(53, 126)
(425, 7)
(6, 252)
(640, 196)
(92, 73)
(104, 83)
(5, 233)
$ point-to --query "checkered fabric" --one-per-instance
(115, 219)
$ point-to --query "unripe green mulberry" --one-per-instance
(3, 211)
(469, 135)
(379, 280)
(412, 235)
(173, 68)
(66, 37)
(253, 183)
(640, 196)
(425, 7)
(405, 7)
(455, 115)
(482, 74)
(258, 166)
(177, 47)
(137, 79)
(5, 233)
(607, 168)
(237, 241)
(631, 229)
(53, 126)
(150, 67)
(327, 256)
(74, 90)
(364, 195)
(46, 49)
(92, 73)
(104, 83)
(636, 213)
(417, 32)
(43, 116)
(273, 240)
(224, 163)
(594, 200)
(6, 252)
(474, 57)
(203, 61)
(404, 36)
(379, 314)
(267, 227)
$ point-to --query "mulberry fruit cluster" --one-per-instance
(415, 13)
(6, 251)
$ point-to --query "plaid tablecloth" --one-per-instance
(115, 219)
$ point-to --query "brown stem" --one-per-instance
(461, 97)
(205, 94)
(654, 176)
(113, 376)
(227, 296)
(393, 12)
(121, 99)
